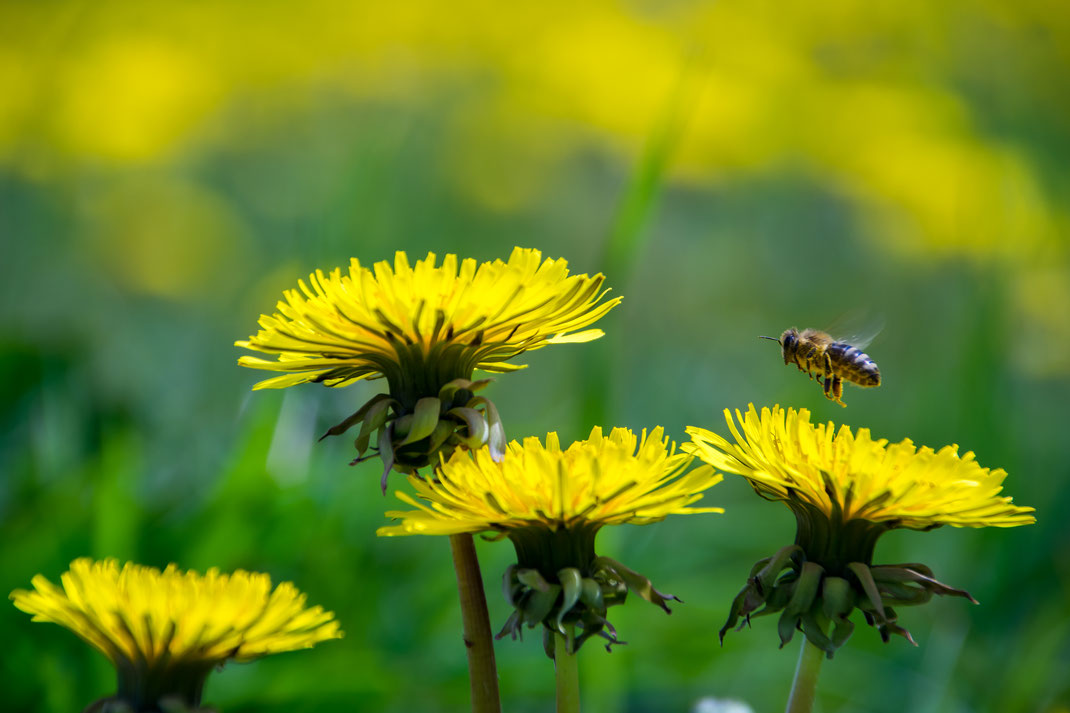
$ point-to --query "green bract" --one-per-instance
(414, 435)
(560, 583)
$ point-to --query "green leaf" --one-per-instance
(424, 419)
(911, 573)
(402, 426)
(802, 600)
(386, 452)
(836, 597)
(510, 587)
(442, 431)
(811, 627)
(512, 626)
(448, 390)
(638, 583)
(496, 437)
(361, 443)
(865, 578)
(786, 627)
(377, 415)
(477, 427)
(735, 612)
(783, 558)
(571, 587)
(358, 416)
(842, 631)
(591, 595)
(540, 604)
(901, 594)
(892, 627)
(531, 577)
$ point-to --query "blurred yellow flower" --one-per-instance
(165, 631)
(551, 502)
(427, 322)
(134, 98)
(854, 476)
(878, 106)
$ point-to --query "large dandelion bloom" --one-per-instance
(846, 489)
(551, 503)
(425, 329)
(165, 631)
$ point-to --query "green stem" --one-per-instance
(567, 673)
(804, 686)
(482, 670)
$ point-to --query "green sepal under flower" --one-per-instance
(819, 602)
(413, 432)
(571, 597)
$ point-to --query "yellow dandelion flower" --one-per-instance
(785, 457)
(551, 502)
(425, 329)
(165, 631)
(424, 323)
(847, 489)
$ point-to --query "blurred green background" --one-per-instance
(735, 168)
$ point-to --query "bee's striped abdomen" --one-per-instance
(854, 365)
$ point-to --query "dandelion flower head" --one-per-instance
(603, 480)
(425, 321)
(551, 503)
(142, 616)
(847, 489)
(855, 476)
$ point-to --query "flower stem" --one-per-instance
(482, 670)
(805, 684)
(568, 675)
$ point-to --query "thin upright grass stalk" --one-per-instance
(640, 200)
(804, 686)
(625, 241)
(567, 674)
(478, 640)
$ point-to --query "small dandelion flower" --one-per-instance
(847, 489)
(551, 503)
(165, 631)
(425, 329)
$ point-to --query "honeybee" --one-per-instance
(828, 360)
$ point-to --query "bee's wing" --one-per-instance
(857, 328)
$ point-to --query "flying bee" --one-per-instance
(830, 361)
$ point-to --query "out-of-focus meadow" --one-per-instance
(735, 168)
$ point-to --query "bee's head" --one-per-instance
(789, 342)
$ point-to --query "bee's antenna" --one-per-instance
(769, 338)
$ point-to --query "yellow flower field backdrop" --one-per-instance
(167, 170)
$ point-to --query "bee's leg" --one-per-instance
(826, 384)
(826, 370)
(837, 390)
